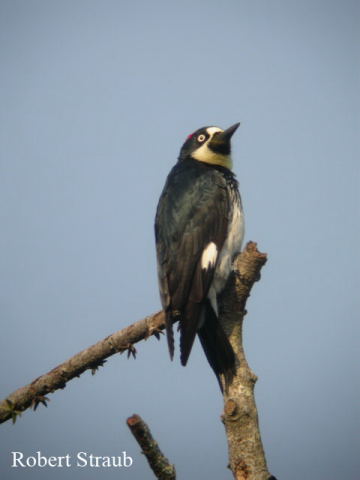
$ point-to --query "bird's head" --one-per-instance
(210, 145)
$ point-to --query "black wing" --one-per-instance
(192, 212)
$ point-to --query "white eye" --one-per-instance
(201, 138)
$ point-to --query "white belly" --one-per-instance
(231, 247)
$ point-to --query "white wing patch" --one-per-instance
(209, 256)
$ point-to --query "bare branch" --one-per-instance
(89, 359)
(159, 464)
(246, 454)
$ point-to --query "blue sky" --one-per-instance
(96, 101)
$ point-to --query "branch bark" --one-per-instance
(89, 359)
(159, 464)
(246, 453)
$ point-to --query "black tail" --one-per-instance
(217, 347)
(188, 328)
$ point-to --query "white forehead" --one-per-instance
(212, 130)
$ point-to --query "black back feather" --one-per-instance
(192, 212)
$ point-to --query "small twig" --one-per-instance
(89, 359)
(159, 464)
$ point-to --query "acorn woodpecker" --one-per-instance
(199, 228)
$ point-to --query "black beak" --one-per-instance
(228, 133)
(220, 143)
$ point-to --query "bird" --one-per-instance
(199, 229)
